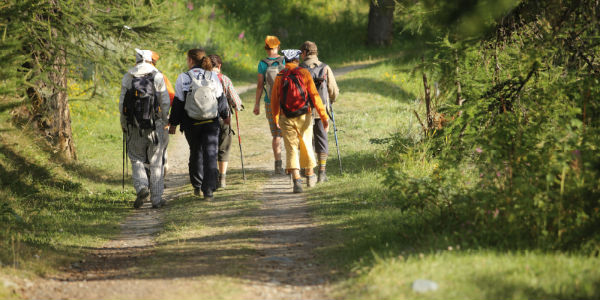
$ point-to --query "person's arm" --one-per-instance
(259, 90)
(317, 101)
(124, 83)
(275, 108)
(232, 95)
(223, 108)
(260, 85)
(163, 97)
(332, 87)
(178, 109)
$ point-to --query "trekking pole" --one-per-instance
(237, 123)
(124, 146)
(337, 145)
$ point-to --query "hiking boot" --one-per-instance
(160, 204)
(322, 176)
(298, 185)
(279, 167)
(142, 196)
(208, 197)
(311, 180)
(222, 183)
(196, 191)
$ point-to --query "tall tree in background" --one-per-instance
(43, 41)
(381, 22)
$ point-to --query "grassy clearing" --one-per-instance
(379, 248)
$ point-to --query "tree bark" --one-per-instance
(50, 105)
(428, 117)
(381, 20)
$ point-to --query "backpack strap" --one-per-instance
(270, 62)
(204, 75)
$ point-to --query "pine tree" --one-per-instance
(43, 39)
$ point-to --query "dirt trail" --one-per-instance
(284, 267)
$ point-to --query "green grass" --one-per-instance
(52, 210)
(378, 247)
(480, 275)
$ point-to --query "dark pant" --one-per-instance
(320, 137)
(204, 141)
(224, 141)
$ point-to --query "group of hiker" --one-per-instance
(201, 104)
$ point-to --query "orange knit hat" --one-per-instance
(272, 41)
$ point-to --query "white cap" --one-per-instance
(143, 55)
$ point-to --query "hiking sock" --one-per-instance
(322, 161)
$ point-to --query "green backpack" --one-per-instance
(272, 71)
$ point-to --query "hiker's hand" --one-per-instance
(227, 121)
(172, 129)
(257, 109)
(326, 126)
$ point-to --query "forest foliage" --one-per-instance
(515, 131)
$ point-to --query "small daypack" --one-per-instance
(294, 99)
(140, 103)
(271, 73)
(319, 76)
(200, 101)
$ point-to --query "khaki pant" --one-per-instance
(297, 137)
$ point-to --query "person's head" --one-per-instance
(308, 48)
(155, 57)
(216, 61)
(143, 56)
(197, 57)
(272, 45)
(291, 55)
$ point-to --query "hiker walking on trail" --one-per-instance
(171, 91)
(328, 90)
(144, 107)
(234, 101)
(267, 71)
(198, 105)
(294, 93)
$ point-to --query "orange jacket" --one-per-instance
(312, 92)
(170, 89)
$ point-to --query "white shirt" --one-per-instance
(184, 82)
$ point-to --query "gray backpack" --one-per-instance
(200, 101)
(272, 71)
(320, 78)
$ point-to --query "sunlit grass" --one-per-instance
(378, 248)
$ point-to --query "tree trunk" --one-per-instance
(381, 21)
(428, 117)
(50, 105)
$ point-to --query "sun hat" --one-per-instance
(291, 54)
(272, 41)
(143, 55)
(309, 47)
